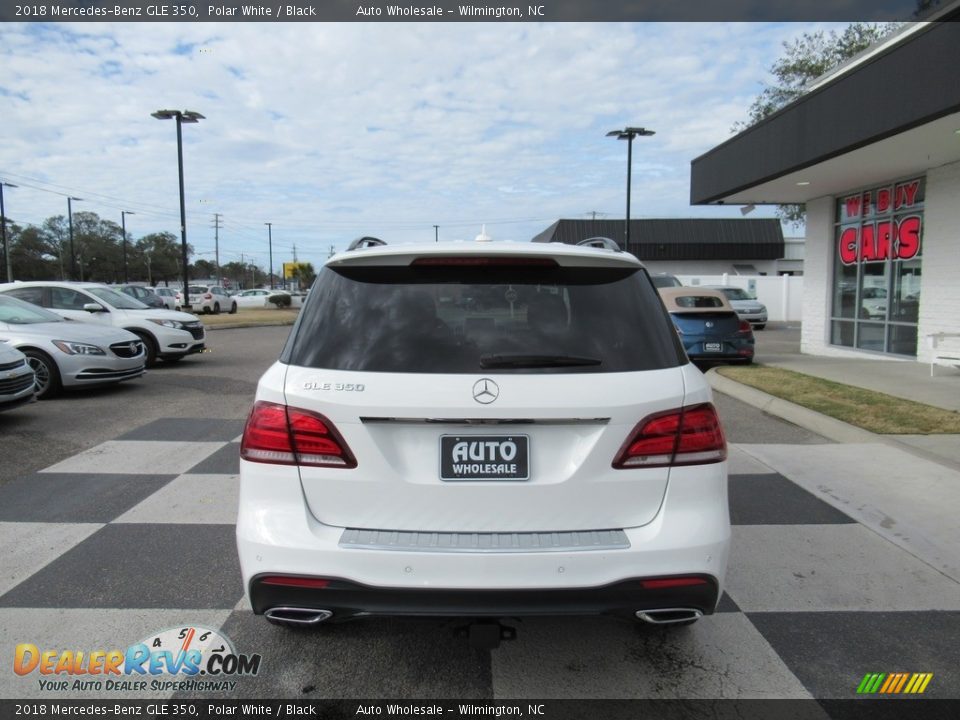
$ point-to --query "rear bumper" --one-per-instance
(347, 600)
(277, 535)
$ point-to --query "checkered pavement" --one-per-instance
(136, 535)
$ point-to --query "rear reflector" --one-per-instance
(484, 261)
(686, 436)
(660, 583)
(287, 581)
(283, 435)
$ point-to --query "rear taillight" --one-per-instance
(687, 436)
(283, 435)
(744, 328)
(207, 296)
(470, 261)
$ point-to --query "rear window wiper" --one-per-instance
(532, 361)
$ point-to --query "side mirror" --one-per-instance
(94, 307)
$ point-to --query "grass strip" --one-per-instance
(254, 316)
(870, 410)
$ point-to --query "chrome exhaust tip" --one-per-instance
(666, 616)
(298, 617)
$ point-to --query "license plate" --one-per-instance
(484, 457)
(712, 347)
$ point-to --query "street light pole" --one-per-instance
(3, 233)
(186, 116)
(73, 257)
(628, 134)
(270, 241)
(123, 223)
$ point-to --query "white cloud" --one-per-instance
(332, 131)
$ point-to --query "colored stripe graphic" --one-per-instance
(894, 683)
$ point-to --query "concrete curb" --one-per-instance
(828, 427)
(791, 412)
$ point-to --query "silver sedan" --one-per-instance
(65, 354)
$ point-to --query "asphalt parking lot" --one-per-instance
(128, 531)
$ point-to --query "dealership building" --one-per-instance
(873, 150)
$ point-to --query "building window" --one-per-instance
(876, 279)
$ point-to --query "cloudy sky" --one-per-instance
(334, 131)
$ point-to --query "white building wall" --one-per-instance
(940, 264)
(818, 280)
(781, 294)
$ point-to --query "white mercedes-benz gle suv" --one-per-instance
(483, 430)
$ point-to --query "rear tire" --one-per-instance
(759, 327)
(47, 373)
(216, 308)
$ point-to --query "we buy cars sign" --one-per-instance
(874, 238)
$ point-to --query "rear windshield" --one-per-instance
(117, 300)
(698, 301)
(737, 294)
(483, 319)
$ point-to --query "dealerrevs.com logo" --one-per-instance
(191, 658)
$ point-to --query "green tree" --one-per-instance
(242, 275)
(55, 230)
(32, 256)
(805, 59)
(156, 258)
(203, 269)
(96, 244)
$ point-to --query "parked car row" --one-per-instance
(80, 334)
(208, 299)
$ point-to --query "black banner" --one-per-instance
(466, 11)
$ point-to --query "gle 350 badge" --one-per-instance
(170, 660)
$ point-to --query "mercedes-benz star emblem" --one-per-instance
(485, 391)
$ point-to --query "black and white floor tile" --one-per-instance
(136, 535)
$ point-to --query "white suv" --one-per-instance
(486, 431)
(211, 299)
(166, 334)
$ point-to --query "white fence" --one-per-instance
(782, 294)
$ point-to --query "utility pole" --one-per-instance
(216, 243)
(333, 251)
(270, 240)
(3, 232)
(123, 223)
